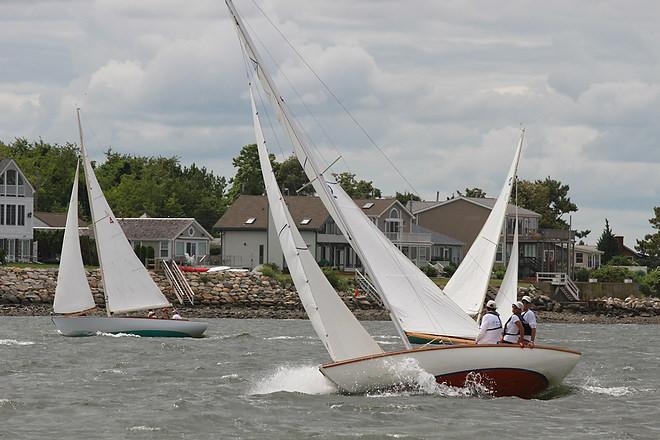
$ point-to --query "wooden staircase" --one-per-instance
(179, 283)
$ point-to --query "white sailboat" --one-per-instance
(504, 369)
(127, 285)
(508, 293)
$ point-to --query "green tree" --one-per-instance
(291, 177)
(248, 178)
(473, 192)
(406, 197)
(357, 189)
(547, 197)
(649, 247)
(607, 243)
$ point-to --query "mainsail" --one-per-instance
(508, 293)
(126, 283)
(72, 293)
(415, 303)
(341, 333)
(467, 287)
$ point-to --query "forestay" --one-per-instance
(341, 333)
(508, 293)
(72, 293)
(126, 282)
(414, 301)
(467, 287)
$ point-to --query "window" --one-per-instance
(305, 221)
(2, 214)
(579, 258)
(367, 205)
(11, 215)
(179, 248)
(21, 215)
(191, 231)
(164, 249)
(11, 177)
(191, 248)
(250, 221)
(261, 254)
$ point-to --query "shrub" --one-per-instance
(499, 273)
(3, 258)
(450, 269)
(620, 260)
(324, 263)
(582, 274)
(334, 279)
(430, 271)
(611, 274)
(649, 284)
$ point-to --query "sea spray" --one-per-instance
(294, 379)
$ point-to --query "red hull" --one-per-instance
(193, 269)
(502, 382)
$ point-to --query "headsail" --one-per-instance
(415, 302)
(341, 333)
(126, 283)
(72, 293)
(467, 287)
(508, 293)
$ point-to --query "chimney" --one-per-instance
(437, 196)
(619, 242)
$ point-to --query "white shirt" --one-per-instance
(490, 329)
(512, 329)
(176, 316)
(530, 318)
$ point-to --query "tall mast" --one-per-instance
(87, 170)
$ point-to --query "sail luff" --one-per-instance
(341, 333)
(508, 293)
(468, 286)
(415, 302)
(72, 292)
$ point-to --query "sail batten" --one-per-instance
(468, 286)
(72, 292)
(414, 301)
(341, 333)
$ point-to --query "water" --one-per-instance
(257, 379)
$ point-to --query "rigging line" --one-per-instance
(341, 104)
(300, 98)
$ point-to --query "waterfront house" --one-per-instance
(586, 257)
(16, 207)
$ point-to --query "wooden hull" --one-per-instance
(502, 370)
(91, 325)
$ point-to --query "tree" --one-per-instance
(473, 192)
(357, 189)
(291, 177)
(607, 243)
(547, 197)
(650, 245)
(406, 197)
(248, 178)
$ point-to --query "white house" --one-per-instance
(587, 257)
(16, 207)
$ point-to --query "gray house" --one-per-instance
(16, 207)
(181, 239)
(249, 238)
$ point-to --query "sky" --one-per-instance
(442, 88)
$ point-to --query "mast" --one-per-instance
(86, 163)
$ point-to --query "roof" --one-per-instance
(436, 237)
(55, 219)
(4, 163)
(309, 208)
(587, 249)
(157, 228)
(486, 202)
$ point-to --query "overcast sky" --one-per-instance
(441, 86)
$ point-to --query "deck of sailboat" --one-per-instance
(92, 325)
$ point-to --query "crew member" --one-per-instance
(513, 329)
(490, 330)
(528, 317)
(175, 314)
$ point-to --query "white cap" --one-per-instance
(491, 304)
(527, 299)
(518, 304)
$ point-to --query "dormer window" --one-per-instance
(305, 221)
(367, 205)
(250, 221)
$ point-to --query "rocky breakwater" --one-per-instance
(223, 294)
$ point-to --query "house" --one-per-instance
(248, 236)
(463, 218)
(586, 257)
(16, 207)
(625, 250)
(52, 220)
(181, 239)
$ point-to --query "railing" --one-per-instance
(563, 282)
(364, 285)
(178, 281)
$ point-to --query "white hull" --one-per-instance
(506, 370)
(91, 325)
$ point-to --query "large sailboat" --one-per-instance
(412, 299)
(127, 285)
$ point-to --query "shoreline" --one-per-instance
(371, 314)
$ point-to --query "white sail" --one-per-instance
(72, 293)
(467, 287)
(126, 283)
(414, 301)
(341, 333)
(508, 293)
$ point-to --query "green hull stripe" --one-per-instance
(155, 333)
(418, 340)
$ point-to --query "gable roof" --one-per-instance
(485, 202)
(379, 206)
(436, 237)
(55, 219)
(158, 228)
(4, 164)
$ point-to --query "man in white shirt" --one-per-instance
(529, 317)
(513, 329)
(176, 315)
(490, 330)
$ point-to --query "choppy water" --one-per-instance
(257, 379)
